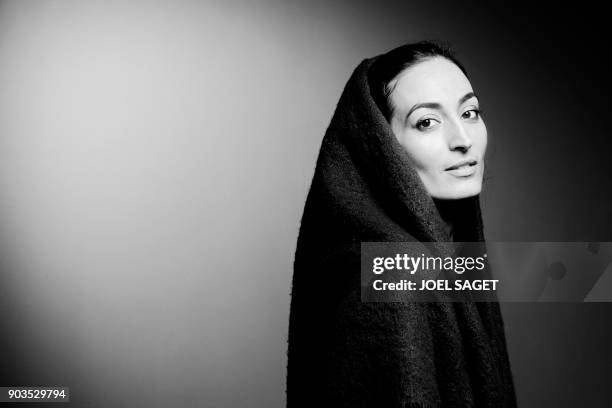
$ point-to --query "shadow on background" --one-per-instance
(155, 159)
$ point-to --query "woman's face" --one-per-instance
(436, 118)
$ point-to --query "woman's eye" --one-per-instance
(471, 114)
(425, 124)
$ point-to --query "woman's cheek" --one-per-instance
(481, 136)
(424, 152)
(431, 152)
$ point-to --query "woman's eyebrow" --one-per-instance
(431, 105)
(466, 97)
(435, 105)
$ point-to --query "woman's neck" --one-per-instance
(451, 212)
(447, 213)
(455, 215)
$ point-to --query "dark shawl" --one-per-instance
(343, 352)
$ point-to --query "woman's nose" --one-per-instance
(459, 139)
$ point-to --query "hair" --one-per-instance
(388, 66)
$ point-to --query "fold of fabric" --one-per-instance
(343, 352)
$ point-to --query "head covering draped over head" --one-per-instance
(343, 352)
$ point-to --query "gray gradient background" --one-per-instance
(155, 158)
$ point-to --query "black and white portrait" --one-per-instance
(186, 189)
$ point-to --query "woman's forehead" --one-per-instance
(433, 80)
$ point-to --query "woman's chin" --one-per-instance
(457, 192)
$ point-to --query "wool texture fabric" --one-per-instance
(343, 352)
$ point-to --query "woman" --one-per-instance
(402, 160)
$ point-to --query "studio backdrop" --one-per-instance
(155, 158)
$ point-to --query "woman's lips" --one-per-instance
(463, 169)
